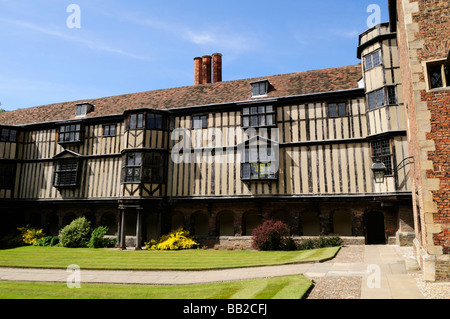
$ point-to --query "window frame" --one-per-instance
(255, 111)
(137, 123)
(7, 174)
(73, 172)
(200, 118)
(378, 148)
(152, 118)
(8, 137)
(248, 160)
(140, 170)
(261, 88)
(337, 109)
(107, 130)
(63, 133)
(82, 109)
(386, 98)
(371, 56)
(444, 66)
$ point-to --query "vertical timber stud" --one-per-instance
(138, 228)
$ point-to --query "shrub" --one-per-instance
(321, 242)
(98, 239)
(76, 234)
(45, 241)
(272, 235)
(176, 240)
(31, 235)
(54, 241)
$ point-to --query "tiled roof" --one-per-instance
(308, 82)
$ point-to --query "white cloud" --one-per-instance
(216, 38)
(92, 44)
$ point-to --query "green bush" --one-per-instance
(321, 242)
(98, 239)
(54, 241)
(176, 240)
(76, 234)
(47, 241)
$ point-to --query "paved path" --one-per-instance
(384, 274)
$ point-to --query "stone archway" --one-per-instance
(177, 221)
(225, 223)
(310, 224)
(199, 224)
(109, 220)
(251, 220)
(342, 223)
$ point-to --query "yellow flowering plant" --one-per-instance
(176, 240)
(31, 235)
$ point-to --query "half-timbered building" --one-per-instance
(145, 163)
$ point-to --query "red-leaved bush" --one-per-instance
(271, 235)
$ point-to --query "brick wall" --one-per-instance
(424, 35)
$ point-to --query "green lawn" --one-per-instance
(289, 287)
(58, 257)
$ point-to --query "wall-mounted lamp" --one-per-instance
(379, 170)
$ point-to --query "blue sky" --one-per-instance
(132, 46)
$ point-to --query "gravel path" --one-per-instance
(335, 287)
(340, 287)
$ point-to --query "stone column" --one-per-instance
(138, 228)
(122, 230)
(326, 223)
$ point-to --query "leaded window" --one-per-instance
(70, 133)
(136, 121)
(8, 135)
(7, 173)
(259, 163)
(259, 88)
(381, 150)
(145, 167)
(154, 121)
(337, 109)
(372, 60)
(438, 74)
(66, 173)
(258, 116)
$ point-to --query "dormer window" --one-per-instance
(83, 109)
(260, 88)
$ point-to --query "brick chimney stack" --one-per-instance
(206, 70)
(217, 67)
(198, 70)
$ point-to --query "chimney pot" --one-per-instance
(206, 71)
(217, 67)
(198, 70)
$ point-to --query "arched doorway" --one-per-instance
(251, 221)
(177, 221)
(342, 223)
(375, 229)
(226, 224)
(199, 224)
(310, 224)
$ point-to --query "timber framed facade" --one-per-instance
(111, 159)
